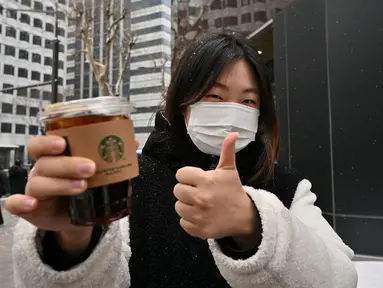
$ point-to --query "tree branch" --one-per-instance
(125, 52)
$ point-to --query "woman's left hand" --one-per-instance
(213, 204)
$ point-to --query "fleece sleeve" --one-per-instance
(107, 266)
(299, 249)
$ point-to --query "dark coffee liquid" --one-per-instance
(98, 205)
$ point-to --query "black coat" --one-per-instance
(18, 177)
(163, 254)
(4, 183)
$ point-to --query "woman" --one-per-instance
(193, 223)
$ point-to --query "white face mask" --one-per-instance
(210, 123)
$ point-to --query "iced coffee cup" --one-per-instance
(99, 129)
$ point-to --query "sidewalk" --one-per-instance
(6, 235)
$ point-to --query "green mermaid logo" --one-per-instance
(111, 149)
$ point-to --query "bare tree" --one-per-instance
(117, 37)
(189, 21)
(163, 64)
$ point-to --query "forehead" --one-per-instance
(238, 74)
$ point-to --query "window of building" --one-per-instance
(60, 15)
(61, 81)
(246, 18)
(245, 2)
(6, 108)
(1, 9)
(36, 76)
(231, 4)
(48, 44)
(216, 5)
(260, 16)
(36, 58)
(61, 31)
(37, 40)
(25, 18)
(38, 5)
(47, 61)
(21, 110)
(23, 54)
(49, 27)
(47, 77)
(10, 50)
(61, 64)
(26, 3)
(37, 23)
(22, 92)
(24, 36)
(23, 73)
(10, 32)
(33, 130)
(35, 93)
(61, 48)
(6, 127)
(11, 13)
(230, 21)
(33, 111)
(47, 95)
(9, 69)
(6, 86)
(20, 129)
(49, 9)
(62, 2)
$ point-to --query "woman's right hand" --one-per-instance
(53, 176)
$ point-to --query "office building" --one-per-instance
(26, 34)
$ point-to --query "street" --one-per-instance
(6, 231)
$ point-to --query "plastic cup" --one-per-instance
(99, 129)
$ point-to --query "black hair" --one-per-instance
(197, 72)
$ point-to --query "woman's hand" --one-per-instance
(213, 204)
(54, 176)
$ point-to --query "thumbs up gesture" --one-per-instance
(213, 204)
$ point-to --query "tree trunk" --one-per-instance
(103, 88)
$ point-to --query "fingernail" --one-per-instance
(29, 203)
(87, 168)
(78, 184)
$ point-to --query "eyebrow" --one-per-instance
(248, 90)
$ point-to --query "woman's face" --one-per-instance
(235, 84)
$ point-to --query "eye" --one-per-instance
(250, 102)
(214, 96)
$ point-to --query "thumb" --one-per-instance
(20, 204)
(227, 158)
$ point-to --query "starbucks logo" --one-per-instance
(111, 149)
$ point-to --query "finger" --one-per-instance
(46, 145)
(185, 193)
(187, 212)
(191, 176)
(65, 167)
(191, 228)
(19, 204)
(227, 158)
(46, 187)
